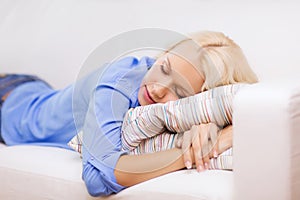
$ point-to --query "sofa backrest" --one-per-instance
(52, 38)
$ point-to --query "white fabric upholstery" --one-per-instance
(2, 145)
(33, 172)
(266, 141)
(54, 37)
(185, 184)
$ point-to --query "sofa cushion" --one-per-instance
(35, 172)
(2, 145)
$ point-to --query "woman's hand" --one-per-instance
(201, 142)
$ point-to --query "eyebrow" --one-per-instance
(169, 65)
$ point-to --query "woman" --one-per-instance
(32, 112)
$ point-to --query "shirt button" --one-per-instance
(92, 158)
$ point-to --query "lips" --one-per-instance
(147, 96)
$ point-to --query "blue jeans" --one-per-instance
(8, 82)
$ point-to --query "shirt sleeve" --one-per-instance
(112, 96)
(101, 141)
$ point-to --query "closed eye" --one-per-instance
(179, 93)
(165, 67)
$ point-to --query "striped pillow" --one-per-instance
(144, 127)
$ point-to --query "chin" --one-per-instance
(143, 102)
(140, 99)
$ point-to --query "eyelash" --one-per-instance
(178, 95)
(163, 67)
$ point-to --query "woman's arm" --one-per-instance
(225, 141)
(144, 122)
(133, 169)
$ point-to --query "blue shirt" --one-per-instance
(37, 114)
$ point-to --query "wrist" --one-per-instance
(225, 139)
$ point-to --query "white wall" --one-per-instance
(52, 38)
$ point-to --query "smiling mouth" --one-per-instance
(148, 96)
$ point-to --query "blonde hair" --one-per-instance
(221, 60)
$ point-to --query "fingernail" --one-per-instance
(215, 154)
(200, 168)
(188, 165)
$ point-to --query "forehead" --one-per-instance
(188, 50)
(185, 74)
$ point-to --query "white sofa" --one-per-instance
(53, 38)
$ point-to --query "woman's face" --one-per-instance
(170, 78)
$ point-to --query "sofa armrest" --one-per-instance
(266, 121)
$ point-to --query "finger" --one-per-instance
(211, 165)
(216, 146)
(205, 148)
(179, 140)
(178, 143)
(214, 139)
(186, 144)
(197, 149)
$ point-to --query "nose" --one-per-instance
(159, 91)
(162, 93)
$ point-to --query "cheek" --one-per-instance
(170, 97)
(151, 77)
(140, 95)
